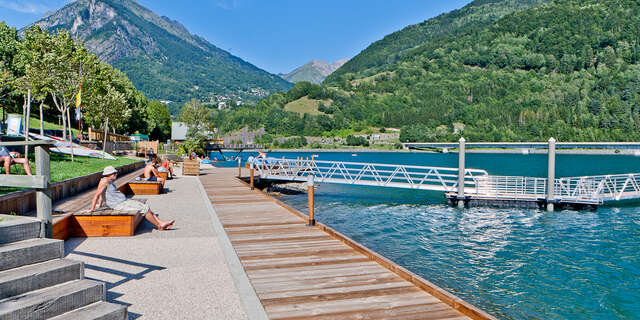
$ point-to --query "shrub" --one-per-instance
(357, 141)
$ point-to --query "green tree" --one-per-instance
(195, 116)
(158, 121)
(103, 104)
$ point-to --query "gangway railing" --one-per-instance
(599, 188)
(592, 190)
(371, 174)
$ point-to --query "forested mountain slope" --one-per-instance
(475, 15)
(568, 69)
(159, 55)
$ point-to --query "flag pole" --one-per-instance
(79, 102)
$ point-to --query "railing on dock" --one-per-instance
(589, 190)
(515, 187)
(371, 174)
(599, 188)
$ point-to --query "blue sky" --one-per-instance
(275, 35)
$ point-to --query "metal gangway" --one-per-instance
(478, 184)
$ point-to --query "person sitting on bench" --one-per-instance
(107, 193)
(167, 166)
(10, 158)
(150, 171)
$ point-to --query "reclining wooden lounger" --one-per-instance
(69, 221)
(163, 174)
(143, 187)
(105, 223)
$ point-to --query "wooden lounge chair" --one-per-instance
(143, 187)
(104, 223)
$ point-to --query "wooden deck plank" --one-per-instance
(302, 272)
(361, 304)
(326, 282)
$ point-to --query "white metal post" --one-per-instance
(551, 173)
(461, 158)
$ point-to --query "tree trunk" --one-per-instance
(64, 126)
(106, 132)
(41, 120)
(24, 111)
(26, 122)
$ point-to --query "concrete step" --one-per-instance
(21, 253)
(14, 229)
(32, 277)
(52, 301)
(97, 311)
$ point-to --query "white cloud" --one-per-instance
(30, 7)
(227, 4)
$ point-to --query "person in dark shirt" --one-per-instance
(10, 158)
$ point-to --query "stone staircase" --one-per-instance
(37, 282)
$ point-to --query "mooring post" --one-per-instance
(312, 220)
(239, 167)
(551, 173)
(251, 176)
(43, 196)
(461, 155)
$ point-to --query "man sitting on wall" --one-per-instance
(150, 171)
(108, 194)
(10, 158)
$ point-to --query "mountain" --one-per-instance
(568, 69)
(313, 71)
(475, 15)
(159, 55)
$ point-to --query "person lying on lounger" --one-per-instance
(151, 171)
(10, 158)
(109, 195)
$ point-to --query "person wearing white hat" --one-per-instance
(108, 194)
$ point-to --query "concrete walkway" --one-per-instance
(178, 274)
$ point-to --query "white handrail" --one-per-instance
(586, 189)
(373, 174)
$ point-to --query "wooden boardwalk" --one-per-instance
(301, 272)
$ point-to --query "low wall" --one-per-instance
(24, 201)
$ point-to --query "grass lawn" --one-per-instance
(34, 123)
(62, 168)
(306, 105)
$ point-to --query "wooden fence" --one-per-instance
(142, 147)
(97, 135)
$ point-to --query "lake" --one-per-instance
(512, 263)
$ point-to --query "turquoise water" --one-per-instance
(512, 263)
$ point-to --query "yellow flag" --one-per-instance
(79, 98)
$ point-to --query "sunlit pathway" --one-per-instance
(178, 274)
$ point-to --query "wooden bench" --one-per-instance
(66, 223)
(164, 175)
(143, 187)
(105, 223)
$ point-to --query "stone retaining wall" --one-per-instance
(24, 201)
